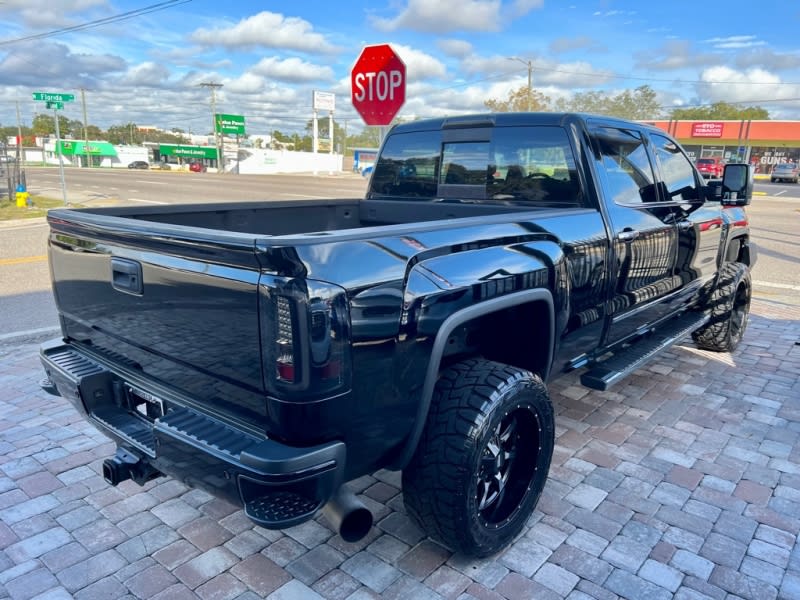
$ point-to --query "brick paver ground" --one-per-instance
(682, 482)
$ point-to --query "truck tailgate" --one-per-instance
(160, 299)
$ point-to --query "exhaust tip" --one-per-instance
(356, 524)
(348, 515)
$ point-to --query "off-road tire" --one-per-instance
(483, 458)
(729, 306)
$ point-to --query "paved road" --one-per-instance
(105, 186)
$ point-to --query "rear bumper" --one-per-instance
(278, 485)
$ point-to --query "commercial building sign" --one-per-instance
(70, 148)
(188, 151)
(229, 124)
(707, 130)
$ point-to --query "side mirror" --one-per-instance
(737, 184)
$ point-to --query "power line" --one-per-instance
(97, 23)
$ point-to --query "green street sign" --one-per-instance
(188, 151)
(53, 97)
(230, 124)
(56, 105)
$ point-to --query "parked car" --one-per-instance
(710, 168)
(139, 164)
(785, 172)
(197, 167)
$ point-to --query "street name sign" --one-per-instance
(53, 97)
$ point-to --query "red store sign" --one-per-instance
(707, 130)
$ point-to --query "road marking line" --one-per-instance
(146, 201)
(29, 332)
(22, 260)
(781, 192)
(152, 182)
(783, 286)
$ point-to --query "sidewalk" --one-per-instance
(683, 482)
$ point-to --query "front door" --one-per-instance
(644, 232)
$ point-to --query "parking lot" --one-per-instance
(681, 482)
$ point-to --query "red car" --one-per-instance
(197, 167)
(710, 168)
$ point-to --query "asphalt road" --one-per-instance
(103, 186)
(26, 303)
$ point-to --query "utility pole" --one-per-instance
(529, 64)
(20, 153)
(214, 86)
(85, 130)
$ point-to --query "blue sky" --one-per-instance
(269, 56)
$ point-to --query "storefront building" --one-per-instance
(763, 144)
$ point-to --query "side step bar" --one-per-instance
(605, 374)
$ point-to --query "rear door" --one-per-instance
(644, 233)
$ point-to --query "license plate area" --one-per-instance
(146, 404)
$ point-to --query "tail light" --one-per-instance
(305, 337)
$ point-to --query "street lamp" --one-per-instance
(529, 64)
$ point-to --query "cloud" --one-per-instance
(444, 16)
(51, 64)
(564, 44)
(674, 55)
(545, 71)
(419, 65)
(756, 86)
(292, 70)
(735, 42)
(613, 13)
(47, 14)
(767, 59)
(523, 7)
(455, 48)
(267, 30)
(147, 74)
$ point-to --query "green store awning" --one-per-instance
(76, 148)
(188, 151)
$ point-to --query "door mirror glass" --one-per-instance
(737, 184)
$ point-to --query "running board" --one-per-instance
(605, 374)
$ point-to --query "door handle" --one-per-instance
(126, 276)
(628, 235)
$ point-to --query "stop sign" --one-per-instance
(378, 84)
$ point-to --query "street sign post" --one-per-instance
(55, 101)
(378, 84)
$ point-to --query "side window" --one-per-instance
(623, 156)
(408, 165)
(676, 170)
(533, 166)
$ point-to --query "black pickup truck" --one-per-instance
(271, 352)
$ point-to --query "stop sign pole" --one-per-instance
(378, 84)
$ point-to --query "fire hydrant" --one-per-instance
(23, 197)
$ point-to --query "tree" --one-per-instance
(44, 125)
(722, 111)
(636, 105)
(520, 100)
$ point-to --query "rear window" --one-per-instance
(705, 161)
(518, 165)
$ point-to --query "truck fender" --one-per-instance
(448, 326)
